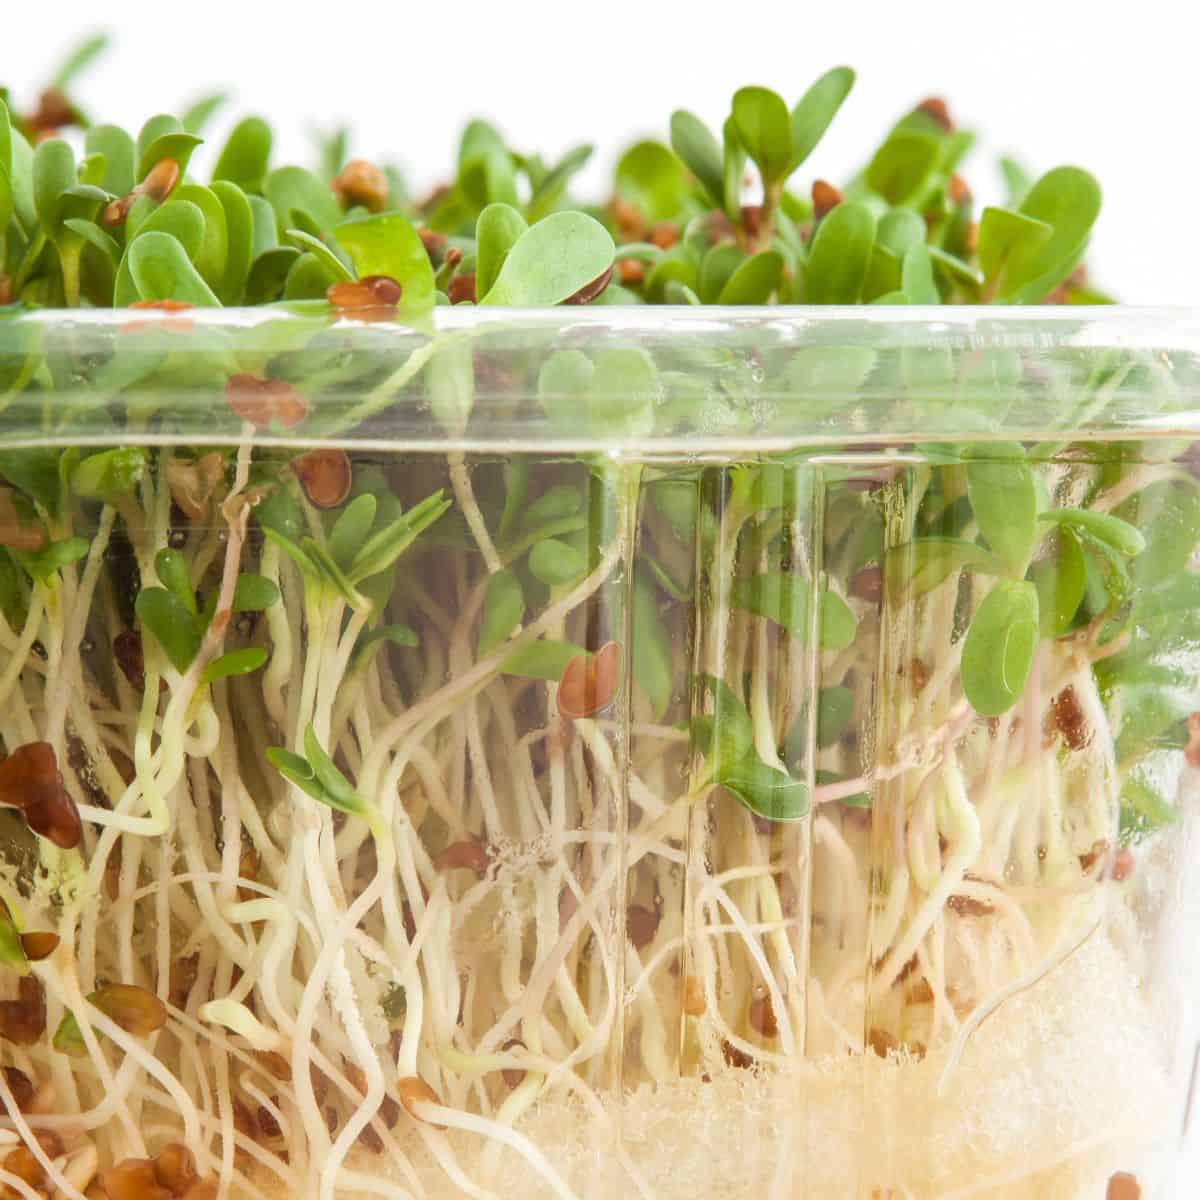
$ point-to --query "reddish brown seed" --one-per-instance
(127, 653)
(434, 243)
(513, 1075)
(921, 992)
(21, 1087)
(957, 190)
(175, 1168)
(275, 1065)
(589, 682)
(167, 306)
(641, 924)
(752, 218)
(1193, 743)
(193, 483)
(133, 1008)
(968, 906)
(56, 818)
(29, 775)
(1068, 718)
(630, 272)
(115, 211)
(467, 855)
(825, 198)
(383, 288)
(413, 1091)
(1122, 864)
(288, 405)
(761, 1015)
(693, 1001)
(133, 1179)
(6, 289)
(361, 182)
(881, 1042)
(202, 1189)
(243, 1119)
(325, 476)
(1123, 1186)
(664, 235)
(160, 180)
(183, 978)
(919, 674)
(246, 395)
(268, 1127)
(628, 220)
(22, 1163)
(15, 534)
(735, 1057)
(461, 289)
(39, 944)
(936, 108)
(54, 111)
(590, 291)
(867, 584)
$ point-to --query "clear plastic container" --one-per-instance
(599, 753)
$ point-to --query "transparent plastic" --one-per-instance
(713, 753)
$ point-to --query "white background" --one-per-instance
(1112, 87)
(1109, 86)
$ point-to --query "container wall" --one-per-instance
(417, 817)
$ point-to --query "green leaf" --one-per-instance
(734, 167)
(352, 528)
(727, 736)
(1168, 514)
(35, 472)
(334, 269)
(1003, 233)
(53, 173)
(373, 640)
(765, 790)
(754, 280)
(209, 258)
(783, 598)
(841, 250)
(80, 58)
(1068, 200)
(244, 158)
(119, 153)
(902, 166)
(696, 146)
(497, 230)
(543, 659)
(503, 608)
(171, 623)
(236, 662)
(999, 647)
(1104, 527)
(764, 128)
(198, 114)
(552, 261)
(177, 145)
(299, 197)
(932, 560)
(111, 473)
(835, 708)
(550, 187)
(556, 563)
(253, 593)
(1060, 581)
(93, 234)
(653, 667)
(295, 769)
(651, 178)
(160, 270)
(387, 244)
(68, 1037)
(917, 275)
(1003, 497)
(382, 548)
(45, 563)
(1143, 809)
(815, 110)
(338, 792)
(239, 241)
